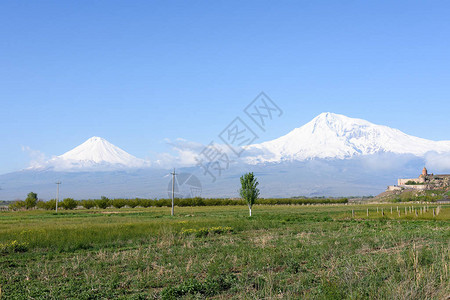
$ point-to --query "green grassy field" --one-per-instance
(307, 252)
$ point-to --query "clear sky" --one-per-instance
(138, 72)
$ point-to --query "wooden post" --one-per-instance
(367, 212)
(434, 213)
(377, 209)
(416, 212)
(391, 210)
(397, 208)
(398, 214)
(406, 211)
(382, 211)
(353, 213)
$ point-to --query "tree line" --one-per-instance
(32, 202)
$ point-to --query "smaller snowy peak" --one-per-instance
(95, 154)
(98, 150)
(332, 135)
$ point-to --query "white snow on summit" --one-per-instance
(95, 154)
(332, 135)
(327, 136)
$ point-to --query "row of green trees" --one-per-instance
(249, 192)
(29, 203)
(104, 202)
(32, 202)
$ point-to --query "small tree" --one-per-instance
(88, 204)
(47, 205)
(69, 203)
(31, 200)
(118, 203)
(133, 203)
(249, 191)
(102, 203)
(18, 204)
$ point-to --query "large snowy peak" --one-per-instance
(332, 135)
(96, 154)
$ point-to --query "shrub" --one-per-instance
(132, 203)
(165, 202)
(145, 202)
(118, 203)
(210, 287)
(13, 246)
(88, 204)
(18, 204)
(205, 231)
(69, 203)
(47, 205)
(40, 204)
(102, 203)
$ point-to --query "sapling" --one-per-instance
(249, 190)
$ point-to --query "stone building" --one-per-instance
(425, 181)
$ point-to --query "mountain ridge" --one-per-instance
(337, 136)
(327, 136)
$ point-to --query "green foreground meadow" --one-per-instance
(284, 252)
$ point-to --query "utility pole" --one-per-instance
(57, 194)
(173, 188)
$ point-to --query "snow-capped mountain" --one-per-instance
(334, 136)
(332, 155)
(94, 154)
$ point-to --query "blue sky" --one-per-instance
(138, 72)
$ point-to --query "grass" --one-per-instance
(413, 196)
(308, 252)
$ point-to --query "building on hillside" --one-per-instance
(425, 181)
